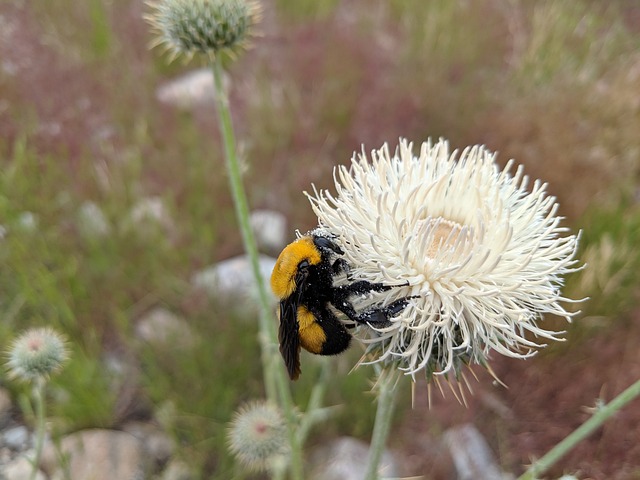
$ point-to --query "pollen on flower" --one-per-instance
(480, 249)
(444, 234)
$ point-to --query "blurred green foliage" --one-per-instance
(609, 250)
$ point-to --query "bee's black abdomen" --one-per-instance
(337, 342)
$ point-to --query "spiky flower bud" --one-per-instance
(209, 27)
(37, 354)
(258, 435)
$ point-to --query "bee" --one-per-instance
(302, 279)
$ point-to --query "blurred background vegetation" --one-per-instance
(555, 85)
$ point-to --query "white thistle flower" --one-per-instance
(483, 257)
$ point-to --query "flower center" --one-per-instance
(444, 233)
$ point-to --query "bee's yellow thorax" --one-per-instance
(284, 272)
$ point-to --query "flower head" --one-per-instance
(258, 435)
(203, 26)
(481, 257)
(37, 354)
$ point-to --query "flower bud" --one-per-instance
(37, 354)
(258, 435)
(203, 26)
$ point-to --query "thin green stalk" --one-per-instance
(386, 387)
(583, 431)
(38, 398)
(276, 382)
(315, 401)
(292, 423)
(237, 190)
(267, 335)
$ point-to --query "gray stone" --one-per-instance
(147, 215)
(91, 221)
(157, 445)
(27, 221)
(346, 459)
(195, 88)
(20, 468)
(16, 438)
(232, 279)
(269, 228)
(161, 327)
(97, 455)
(471, 454)
(177, 470)
(123, 373)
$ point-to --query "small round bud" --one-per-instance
(203, 26)
(258, 435)
(37, 354)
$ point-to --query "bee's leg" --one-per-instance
(375, 316)
(339, 266)
(360, 288)
(380, 316)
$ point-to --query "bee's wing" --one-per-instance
(289, 336)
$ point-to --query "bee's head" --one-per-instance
(293, 263)
(327, 245)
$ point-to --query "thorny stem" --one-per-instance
(583, 431)
(386, 388)
(276, 382)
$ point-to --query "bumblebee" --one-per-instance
(303, 281)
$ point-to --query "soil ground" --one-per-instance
(546, 398)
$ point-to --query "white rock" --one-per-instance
(150, 209)
(191, 89)
(16, 438)
(346, 459)
(177, 470)
(20, 469)
(162, 327)
(148, 214)
(28, 221)
(98, 455)
(471, 454)
(91, 221)
(157, 445)
(233, 280)
(269, 228)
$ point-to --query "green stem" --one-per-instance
(276, 381)
(386, 386)
(38, 397)
(237, 190)
(583, 431)
(267, 335)
(315, 401)
(292, 423)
